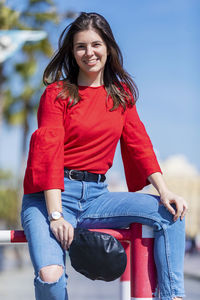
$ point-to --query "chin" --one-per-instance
(92, 70)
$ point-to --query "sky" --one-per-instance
(160, 43)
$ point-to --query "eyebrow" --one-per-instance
(82, 43)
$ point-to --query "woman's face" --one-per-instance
(90, 52)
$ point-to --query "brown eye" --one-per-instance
(97, 44)
(80, 47)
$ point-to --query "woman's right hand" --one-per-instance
(63, 231)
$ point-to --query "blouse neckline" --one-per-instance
(90, 87)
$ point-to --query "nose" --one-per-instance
(89, 51)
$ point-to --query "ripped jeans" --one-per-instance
(91, 205)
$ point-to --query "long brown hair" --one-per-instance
(118, 83)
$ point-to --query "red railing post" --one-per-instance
(125, 291)
(143, 270)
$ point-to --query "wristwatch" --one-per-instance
(55, 215)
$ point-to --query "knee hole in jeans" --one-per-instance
(51, 273)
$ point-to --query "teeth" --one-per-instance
(91, 61)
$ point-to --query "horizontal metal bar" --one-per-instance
(18, 236)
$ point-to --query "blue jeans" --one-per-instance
(91, 205)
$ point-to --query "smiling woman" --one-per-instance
(108, 58)
(87, 107)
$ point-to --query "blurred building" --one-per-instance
(184, 179)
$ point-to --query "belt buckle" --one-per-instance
(70, 174)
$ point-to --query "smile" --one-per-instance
(91, 62)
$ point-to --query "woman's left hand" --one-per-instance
(168, 198)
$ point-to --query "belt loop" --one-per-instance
(99, 178)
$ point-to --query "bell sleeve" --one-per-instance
(138, 156)
(46, 151)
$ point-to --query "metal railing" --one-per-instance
(139, 281)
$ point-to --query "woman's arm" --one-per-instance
(137, 151)
(46, 153)
(62, 229)
(167, 197)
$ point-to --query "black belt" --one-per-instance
(83, 175)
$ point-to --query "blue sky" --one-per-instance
(160, 42)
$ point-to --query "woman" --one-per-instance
(87, 107)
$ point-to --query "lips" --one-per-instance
(91, 62)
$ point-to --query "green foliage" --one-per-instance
(40, 1)
(9, 206)
(17, 108)
(9, 18)
(43, 45)
(41, 18)
(8, 199)
(5, 175)
(26, 69)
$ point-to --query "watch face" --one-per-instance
(56, 215)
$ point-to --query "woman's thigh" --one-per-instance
(120, 209)
(43, 247)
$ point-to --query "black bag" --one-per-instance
(97, 255)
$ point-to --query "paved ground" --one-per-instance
(192, 267)
(17, 284)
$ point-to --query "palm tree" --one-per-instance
(18, 109)
(8, 19)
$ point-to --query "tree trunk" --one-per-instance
(1, 96)
(22, 165)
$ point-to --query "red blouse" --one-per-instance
(84, 137)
